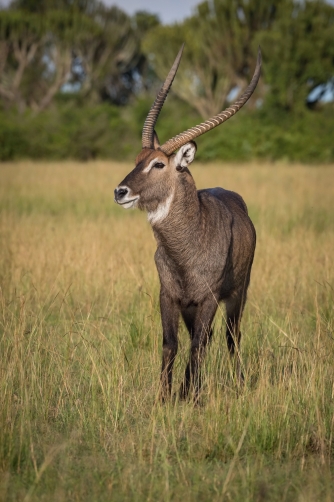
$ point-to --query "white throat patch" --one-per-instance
(161, 211)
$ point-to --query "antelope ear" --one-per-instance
(156, 142)
(185, 155)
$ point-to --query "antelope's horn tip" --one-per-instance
(178, 57)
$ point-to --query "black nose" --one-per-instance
(120, 193)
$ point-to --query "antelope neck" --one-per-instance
(178, 231)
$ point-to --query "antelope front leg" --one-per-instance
(170, 321)
(199, 327)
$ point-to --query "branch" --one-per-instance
(24, 56)
(7, 94)
(4, 50)
(63, 66)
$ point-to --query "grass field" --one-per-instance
(80, 346)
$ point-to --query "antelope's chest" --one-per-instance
(186, 282)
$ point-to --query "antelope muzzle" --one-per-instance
(124, 197)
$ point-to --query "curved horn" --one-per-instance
(181, 139)
(153, 114)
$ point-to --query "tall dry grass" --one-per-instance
(80, 346)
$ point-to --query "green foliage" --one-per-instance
(221, 46)
(86, 43)
(68, 131)
(257, 135)
(111, 57)
(42, 6)
(205, 76)
(144, 22)
(13, 139)
(74, 129)
(298, 52)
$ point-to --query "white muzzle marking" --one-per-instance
(130, 203)
(129, 200)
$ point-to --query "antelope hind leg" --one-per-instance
(234, 310)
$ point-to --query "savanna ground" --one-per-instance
(81, 346)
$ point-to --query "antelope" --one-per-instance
(205, 239)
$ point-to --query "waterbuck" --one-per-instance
(205, 239)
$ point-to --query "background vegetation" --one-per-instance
(80, 333)
(77, 78)
(80, 344)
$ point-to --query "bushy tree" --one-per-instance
(220, 51)
(45, 44)
(298, 52)
(221, 47)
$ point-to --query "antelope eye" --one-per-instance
(159, 165)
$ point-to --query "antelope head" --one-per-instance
(151, 184)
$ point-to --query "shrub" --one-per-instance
(77, 130)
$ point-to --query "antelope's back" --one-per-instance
(231, 200)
